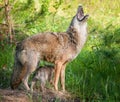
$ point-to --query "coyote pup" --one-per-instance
(58, 48)
(43, 74)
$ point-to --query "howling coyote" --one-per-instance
(58, 48)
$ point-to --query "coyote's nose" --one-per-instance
(80, 6)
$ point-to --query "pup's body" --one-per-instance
(43, 74)
(58, 48)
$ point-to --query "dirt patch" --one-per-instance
(8, 95)
(13, 96)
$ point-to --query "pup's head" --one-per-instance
(51, 68)
(80, 14)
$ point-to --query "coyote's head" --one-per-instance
(80, 14)
(79, 18)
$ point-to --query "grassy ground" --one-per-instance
(94, 75)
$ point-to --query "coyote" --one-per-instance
(58, 48)
(43, 74)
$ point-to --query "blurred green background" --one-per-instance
(95, 74)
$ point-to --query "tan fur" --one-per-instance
(58, 48)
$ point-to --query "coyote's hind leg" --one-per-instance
(25, 81)
(31, 68)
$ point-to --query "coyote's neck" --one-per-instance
(81, 32)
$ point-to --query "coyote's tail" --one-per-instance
(19, 72)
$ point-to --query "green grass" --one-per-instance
(6, 64)
(94, 75)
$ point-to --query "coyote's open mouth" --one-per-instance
(80, 14)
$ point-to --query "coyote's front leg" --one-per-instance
(62, 76)
(58, 67)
